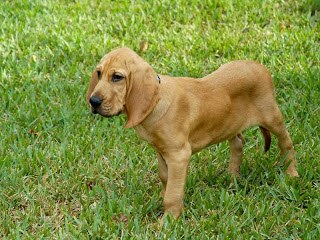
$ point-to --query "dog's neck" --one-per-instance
(157, 113)
(145, 128)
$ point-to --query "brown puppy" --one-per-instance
(180, 116)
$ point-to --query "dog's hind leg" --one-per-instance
(236, 152)
(275, 124)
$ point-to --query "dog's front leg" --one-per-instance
(163, 173)
(177, 162)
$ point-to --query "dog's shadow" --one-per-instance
(259, 170)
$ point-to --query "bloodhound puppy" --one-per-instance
(179, 116)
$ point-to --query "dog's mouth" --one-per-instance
(107, 115)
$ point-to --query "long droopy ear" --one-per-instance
(142, 94)
(93, 82)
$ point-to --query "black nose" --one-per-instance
(95, 101)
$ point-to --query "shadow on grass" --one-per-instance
(310, 5)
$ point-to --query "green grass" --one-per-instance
(68, 174)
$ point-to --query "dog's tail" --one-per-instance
(267, 138)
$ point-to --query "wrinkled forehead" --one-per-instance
(117, 59)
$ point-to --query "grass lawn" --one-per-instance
(68, 174)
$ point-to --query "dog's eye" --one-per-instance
(99, 74)
(116, 77)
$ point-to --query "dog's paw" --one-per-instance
(234, 172)
(292, 172)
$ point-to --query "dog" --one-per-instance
(179, 116)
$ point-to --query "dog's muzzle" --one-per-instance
(95, 101)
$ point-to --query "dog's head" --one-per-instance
(123, 83)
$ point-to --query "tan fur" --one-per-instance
(181, 116)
